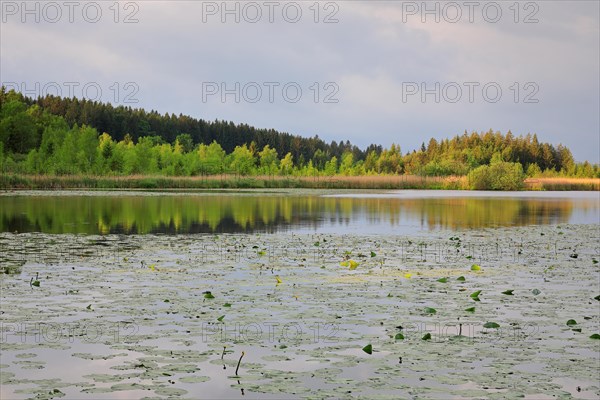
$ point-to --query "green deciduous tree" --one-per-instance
(287, 164)
(242, 161)
(269, 162)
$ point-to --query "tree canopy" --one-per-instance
(53, 135)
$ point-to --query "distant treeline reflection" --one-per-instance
(229, 214)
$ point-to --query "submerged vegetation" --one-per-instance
(79, 143)
(169, 316)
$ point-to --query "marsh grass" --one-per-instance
(588, 184)
(56, 182)
(53, 182)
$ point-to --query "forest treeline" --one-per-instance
(54, 135)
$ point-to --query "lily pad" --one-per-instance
(475, 295)
(491, 325)
(368, 349)
(194, 379)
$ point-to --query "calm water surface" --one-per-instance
(289, 211)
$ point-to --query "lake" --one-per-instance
(299, 294)
(288, 211)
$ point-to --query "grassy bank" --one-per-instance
(53, 182)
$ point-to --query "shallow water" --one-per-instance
(298, 211)
(125, 316)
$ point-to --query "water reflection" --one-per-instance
(136, 214)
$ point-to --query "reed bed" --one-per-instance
(562, 184)
(54, 182)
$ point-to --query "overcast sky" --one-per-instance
(366, 71)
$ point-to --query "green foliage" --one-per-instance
(331, 166)
(533, 170)
(269, 162)
(185, 141)
(242, 161)
(18, 130)
(59, 136)
(1, 157)
(368, 349)
(500, 175)
(287, 164)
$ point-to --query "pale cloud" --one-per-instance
(369, 54)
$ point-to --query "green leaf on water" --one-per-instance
(571, 322)
(220, 319)
(595, 336)
(167, 301)
(536, 292)
(470, 309)
(389, 295)
(429, 310)
(426, 336)
(373, 254)
(443, 280)
(491, 325)
(475, 267)
(368, 349)
(399, 336)
(208, 295)
(475, 295)
(576, 330)
(227, 305)
(35, 283)
(89, 307)
(461, 279)
(508, 292)
(597, 297)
